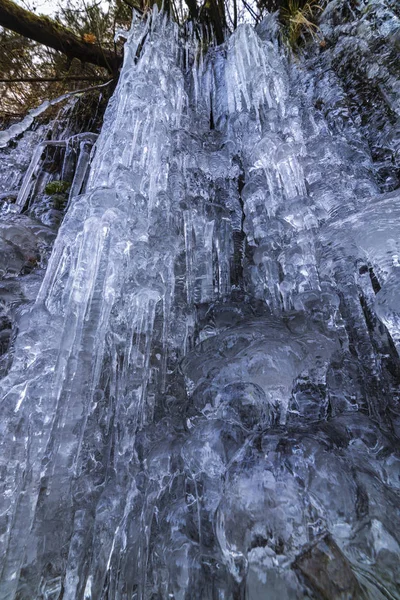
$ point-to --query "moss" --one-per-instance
(60, 201)
(57, 187)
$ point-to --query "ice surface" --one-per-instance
(202, 398)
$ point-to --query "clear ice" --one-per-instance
(200, 383)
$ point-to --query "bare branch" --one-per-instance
(52, 34)
(46, 79)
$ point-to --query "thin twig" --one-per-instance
(44, 79)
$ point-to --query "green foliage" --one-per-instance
(57, 187)
(94, 24)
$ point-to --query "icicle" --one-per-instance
(19, 128)
(202, 396)
(81, 169)
(25, 189)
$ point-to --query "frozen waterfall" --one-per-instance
(201, 400)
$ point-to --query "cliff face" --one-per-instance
(202, 396)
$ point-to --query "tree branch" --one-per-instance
(52, 34)
(46, 79)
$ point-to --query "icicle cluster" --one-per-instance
(202, 401)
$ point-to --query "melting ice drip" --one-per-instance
(202, 400)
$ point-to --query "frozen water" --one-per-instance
(202, 398)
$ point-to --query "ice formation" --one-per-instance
(202, 397)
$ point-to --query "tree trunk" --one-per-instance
(52, 34)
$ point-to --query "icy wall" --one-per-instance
(203, 400)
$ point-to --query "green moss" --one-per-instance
(59, 201)
(56, 187)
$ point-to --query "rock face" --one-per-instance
(201, 400)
